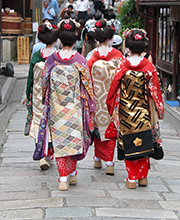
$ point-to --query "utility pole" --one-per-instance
(0, 43)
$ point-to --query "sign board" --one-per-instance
(23, 50)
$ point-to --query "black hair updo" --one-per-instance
(136, 41)
(47, 34)
(69, 32)
(103, 31)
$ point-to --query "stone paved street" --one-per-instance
(26, 192)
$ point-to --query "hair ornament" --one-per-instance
(70, 19)
(113, 27)
(66, 21)
(54, 26)
(146, 38)
(138, 37)
(67, 25)
(98, 24)
(144, 32)
(75, 22)
(39, 29)
(48, 25)
(127, 32)
(76, 33)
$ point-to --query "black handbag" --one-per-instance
(138, 145)
(158, 152)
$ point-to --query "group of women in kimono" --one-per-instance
(65, 91)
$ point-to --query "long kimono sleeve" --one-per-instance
(45, 80)
(87, 92)
(155, 92)
(112, 94)
(91, 61)
(113, 90)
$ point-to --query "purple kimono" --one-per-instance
(69, 99)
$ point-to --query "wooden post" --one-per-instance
(0, 31)
(36, 6)
(24, 8)
(0, 96)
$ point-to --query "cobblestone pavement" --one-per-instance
(26, 192)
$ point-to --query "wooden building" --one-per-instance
(162, 22)
(23, 7)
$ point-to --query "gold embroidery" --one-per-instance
(137, 142)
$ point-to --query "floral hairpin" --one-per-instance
(138, 37)
(142, 30)
(127, 32)
(48, 25)
(98, 24)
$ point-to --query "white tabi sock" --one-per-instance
(63, 179)
(128, 180)
(73, 173)
(109, 163)
(96, 158)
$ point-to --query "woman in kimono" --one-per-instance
(102, 64)
(140, 95)
(69, 100)
(48, 36)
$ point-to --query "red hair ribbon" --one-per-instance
(138, 37)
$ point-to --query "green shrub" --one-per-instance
(128, 16)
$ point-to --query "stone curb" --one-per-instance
(172, 111)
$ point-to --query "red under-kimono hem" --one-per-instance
(104, 150)
(137, 169)
(65, 165)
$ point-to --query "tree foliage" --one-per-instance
(128, 15)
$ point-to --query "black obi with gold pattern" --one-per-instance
(133, 110)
